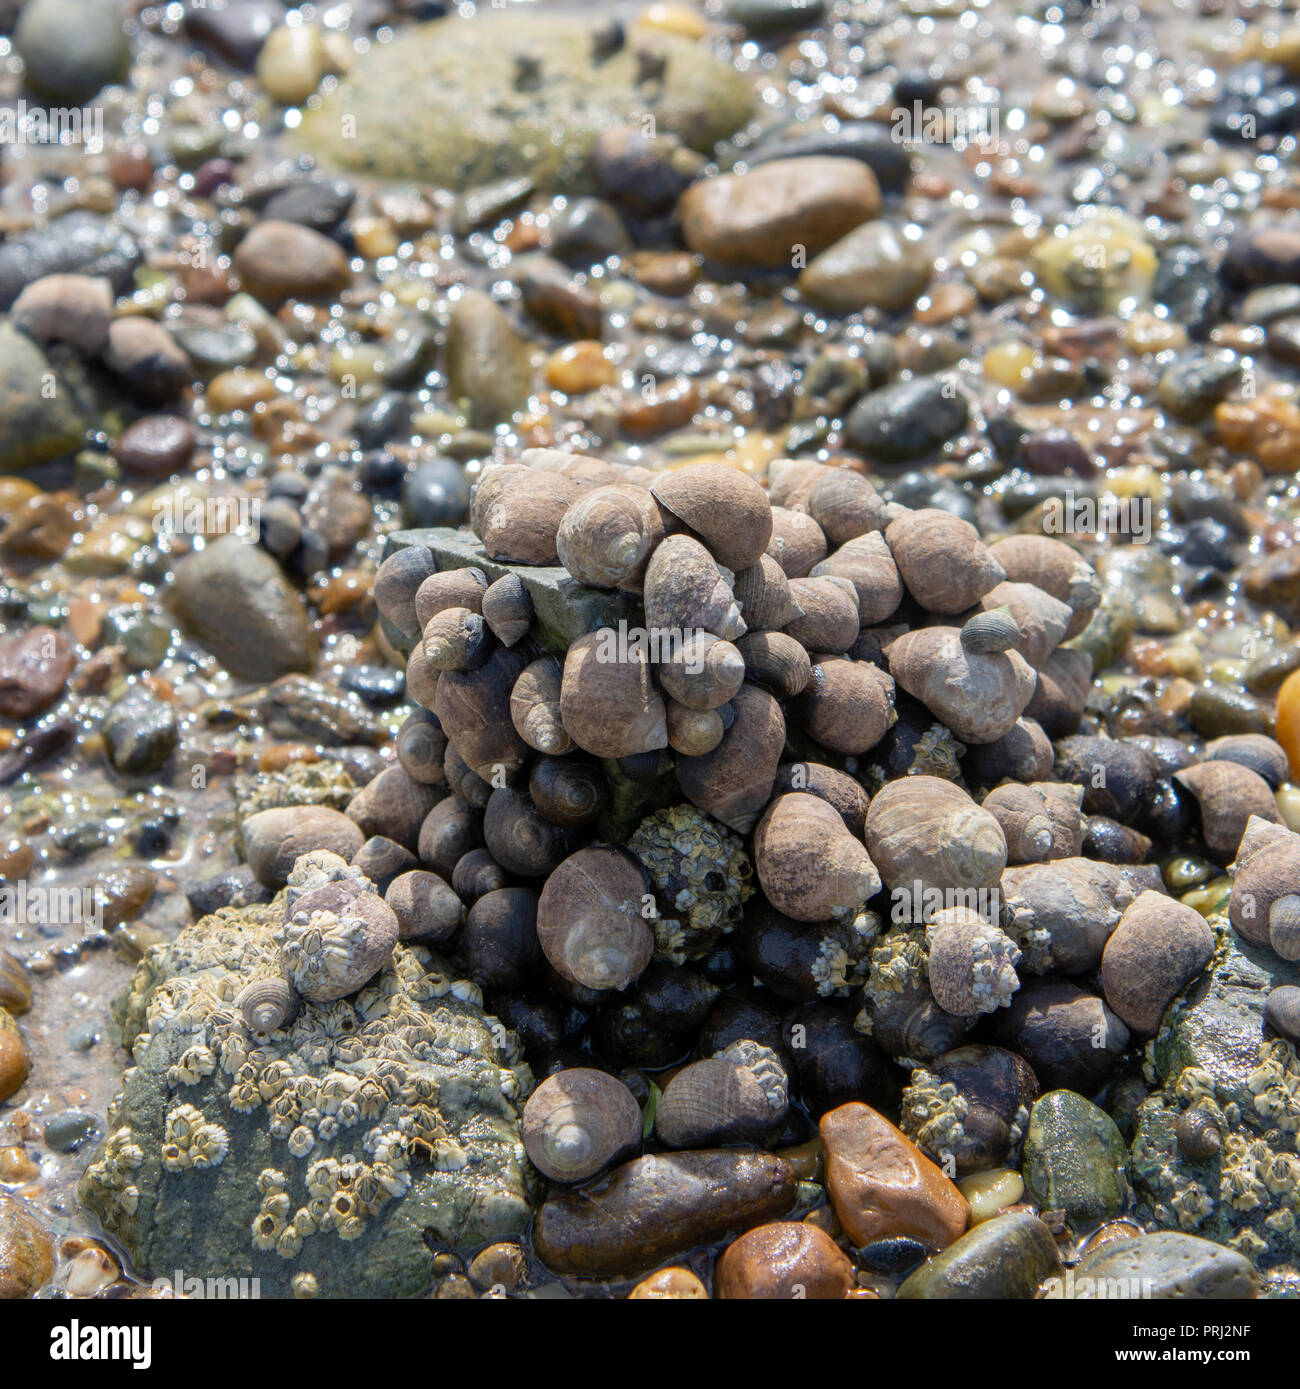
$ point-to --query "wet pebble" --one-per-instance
(1267, 253)
(281, 260)
(905, 421)
(436, 493)
(654, 1207)
(15, 1060)
(319, 203)
(1169, 1265)
(141, 732)
(156, 446)
(71, 48)
(873, 266)
(785, 1259)
(1005, 1257)
(26, 1250)
(34, 668)
(234, 31)
(66, 1132)
(147, 360)
(228, 887)
(75, 309)
(1074, 1159)
(882, 1185)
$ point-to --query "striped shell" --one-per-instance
(1256, 751)
(1282, 1012)
(996, 630)
(267, 1003)
(972, 964)
(1199, 1137)
(734, 1097)
(1284, 926)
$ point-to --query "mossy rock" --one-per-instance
(463, 102)
(332, 1157)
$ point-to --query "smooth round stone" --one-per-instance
(319, 203)
(66, 1132)
(280, 526)
(75, 309)
(870, 142)
(991, 1192)
(234, 31)
(229, 887)
(1283, 340)
(1169, 1266)
(36, 425)
(1192, 386)
(383, 419)
(83, 1036)
(588, 231)
(1005, 1257)
(281, 260)
(144, 638)
(292, 62)
(15, 1061)
(873, 266)
(557, 301)
(34, 668)
(1188, 286)
(1268, 254)
(786, 1259)
(216, 347)
(487, 363)
(147, 359)
(436, 493)
(382, 473)
(71, 48)
(1282, 1012)
(909, 419)
(156, 446)
(1272, 302)
(1074, 1158)
(79, 242)
(141, 733)
(775, 16)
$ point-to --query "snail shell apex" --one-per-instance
(579, 1121)
(267, 1003)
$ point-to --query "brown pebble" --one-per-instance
(14, 1058)
(26, 1251)
(157, 446)
(34, 668)
(502, 1265)
(674, 1284)
(16, 1168)
(131, 168)
(882, 1185)
(42, 527)
(281, 260)
(15, 984)
(786, 1259)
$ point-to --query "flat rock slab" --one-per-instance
(563, 609)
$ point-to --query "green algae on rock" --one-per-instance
(331, 1147)
(460, 103)
(40, 418)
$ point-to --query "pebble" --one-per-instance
(1287, 727)
(228, 887)
(587, 232)
(156, 446)
(488, 364)
(881, 1184)
(292, 62)
(234, 599)
(216, 347)
(653, 1208)
(26, 1251)
(1170, 1266)
(642, 172)
(1074, 1159)
(871, 142)
(239, 390)
(41, 527)
(775, 16)
(872, 267)
(234, 31)
(274, 839)
(786, 1259)
(674, 1284)
(149, 361)
(1157, 949)
(760, 217)
(140, 732)
(1268, 254)
(75, 309)
(436, 493)
(322, 204)
(281, 260)
(1005, 1257)
(79, 242)
(991, 1192)
(907, 420)
(71, 49)
(34, 668)
(15, 1060)
(36, 425)
(579, 368)
(555, 300)
(66, 1132)
(15, 981)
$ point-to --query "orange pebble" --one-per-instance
(1287, 731)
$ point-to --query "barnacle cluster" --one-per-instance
(932, 1116)
(765, 1066)
(701, 875)
(394, 1091)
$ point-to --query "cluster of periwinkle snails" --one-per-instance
(869, 704)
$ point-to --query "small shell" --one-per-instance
(845, 505)
(1282, 1012)
(1199, 1136)
(972, 964)
(868, 565)
(702, 671)
(1284, 926)
(451, 588)
(608, 535)
(694, 732)
(686, 591)
(1228, 794)
(946, 566)
(1055, 568)
(828, 620)
(714, 1102)
(589, 919)
(1023, 814)
(727, 509)
(456, 639)
(798, 543)
(846, 706)
(267, 1003)
(924, 829)
(1261, 754)
(535, 707)
(507, 609)
(996, 630)
(397, 581)
(810, 866)
(578, 1122)
(516, 512)
(911, 1025)
(763, 592)
(776, 662)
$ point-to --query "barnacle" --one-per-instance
(765, 1066)
(301, 1141)
(897, 965)
(933, 1112)
(1192, 1206)
(701, 876)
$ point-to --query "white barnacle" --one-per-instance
(174, 1158)
(271, 1180)
(329, 1128)
(267, 1228)
(244, 1097)
(289, 1245)
(209, 1146)
(129, 1199)
(301, 1141)
(196, 1063)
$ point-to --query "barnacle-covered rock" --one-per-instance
(1215, 1148)
(338, 1147)
(701, 876)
